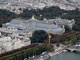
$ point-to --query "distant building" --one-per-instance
(24, 27)
(19, 26)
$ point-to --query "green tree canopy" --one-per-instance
(67, 28)
(39, 36)
(6, 16)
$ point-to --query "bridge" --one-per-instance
(73, 48)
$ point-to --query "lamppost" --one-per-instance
(49, 36)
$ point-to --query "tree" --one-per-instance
(6, 16)
(76, 27)
(39, 36)
(69, 38)
(67, 28)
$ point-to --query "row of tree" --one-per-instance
(51, 12)
(27, 53)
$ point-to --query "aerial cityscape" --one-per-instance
(39, 29)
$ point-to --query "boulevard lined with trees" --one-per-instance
(26, 52)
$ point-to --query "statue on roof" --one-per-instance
(63, 27)
(33, 17)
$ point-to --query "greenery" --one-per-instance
(66, 38)
(48, 13)
(39, 36)
(26, 53)
(67, 28)
(6, 16)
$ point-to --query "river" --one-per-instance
(66, 56)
